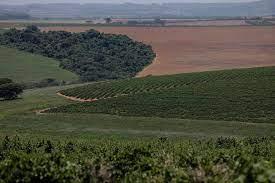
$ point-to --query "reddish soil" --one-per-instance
(193, 49)
(76, 99)
(208, 23)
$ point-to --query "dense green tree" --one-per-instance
(108, 20)
(5, 81)
(92, 55)
(159, 21)
(9, 90)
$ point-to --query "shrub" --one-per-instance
(154, 160)
(9, 90)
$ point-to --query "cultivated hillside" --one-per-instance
(232, 95)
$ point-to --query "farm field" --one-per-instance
(19, 117)
(245, 95)
(73, 146)
(194, 49)
(125, 160)
(25, 67)
(233, 95)
(213, 126)
(207, 23)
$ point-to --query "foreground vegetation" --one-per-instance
(92, 55)
(154, 160)
(234, 95)
(104, 148)
(2, 31)
(29, 68)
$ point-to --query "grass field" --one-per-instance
(195, 49)
(26, 67)
(245, 95)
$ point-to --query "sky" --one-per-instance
(113, 1)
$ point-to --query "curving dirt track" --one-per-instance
(75, 98)
(194, 49)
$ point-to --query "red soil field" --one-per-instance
(195, 49)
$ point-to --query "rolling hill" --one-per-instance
(26, 67)
(245, 95)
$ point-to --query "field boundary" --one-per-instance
(139, 75)
(76, 98)
(41, 111)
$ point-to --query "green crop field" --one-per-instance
(154, 160)
(19, 117)
(25, 67)
(77, 147)
(246, 95)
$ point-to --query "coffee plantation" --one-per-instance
(151, 160)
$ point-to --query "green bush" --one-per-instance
(110, 160)
(9, 90)
(5, 81)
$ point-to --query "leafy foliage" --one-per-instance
(5, 81)
(242, 95)
(153, 160)
(92, 55)
(9, 90)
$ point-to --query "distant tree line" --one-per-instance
(9, 90)
(92, 55)
(4, 15)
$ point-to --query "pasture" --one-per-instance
(26, 67)
(195, 49)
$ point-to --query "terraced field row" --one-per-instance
(246, 95)
(111, 89)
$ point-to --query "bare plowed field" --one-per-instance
(193, 49)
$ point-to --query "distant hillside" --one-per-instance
(258, 8)
(7, 15)
(28, 68)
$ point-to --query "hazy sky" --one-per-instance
(113, 1)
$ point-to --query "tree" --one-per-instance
(5, 81)
(9, 90)
(159, 21)
(31, 28)
(108, 20)
(92, 55)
